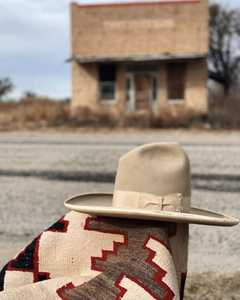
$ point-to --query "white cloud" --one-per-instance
(35, 41)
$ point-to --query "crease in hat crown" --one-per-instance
(161, 170)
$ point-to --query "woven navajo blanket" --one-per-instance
(89, 257)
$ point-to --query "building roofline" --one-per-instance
(138, 3)
(84, 59)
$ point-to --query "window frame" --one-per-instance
(100, 83)
(154, 76)
(177, 100)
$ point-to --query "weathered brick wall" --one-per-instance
(140, 29)
(196, 88)
(85, 89)
(84, 85)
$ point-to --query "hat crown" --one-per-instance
(159, 169)
(153, 182)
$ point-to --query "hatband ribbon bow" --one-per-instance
(127, 199)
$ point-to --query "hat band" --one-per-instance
(126, 199)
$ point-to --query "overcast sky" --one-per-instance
(35, 41)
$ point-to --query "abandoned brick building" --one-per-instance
(140, 57)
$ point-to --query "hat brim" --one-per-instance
(101, 205)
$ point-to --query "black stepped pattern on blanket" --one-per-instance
(42, 277)
(59, 226)
(25, 260)
(2, 276)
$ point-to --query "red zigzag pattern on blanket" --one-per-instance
(160, 272)
(105, 252)
(158, 278)
(68, 286)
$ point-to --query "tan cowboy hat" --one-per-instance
(153, 182)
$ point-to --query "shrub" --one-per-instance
(224, 111)
(136, 120)
(84, 116)
(172, 116)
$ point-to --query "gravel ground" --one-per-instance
(39, 171)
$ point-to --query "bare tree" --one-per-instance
(224, 45)
(6, 86)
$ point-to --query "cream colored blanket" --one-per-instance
(86, 257)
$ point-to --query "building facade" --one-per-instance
(141, 57)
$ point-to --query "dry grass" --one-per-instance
(210, 287)
(37, 113)
(135, 120)
(31, 113)
(84, 116)
(172, 116)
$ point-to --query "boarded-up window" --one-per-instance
(107, 81)
(176, 81)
